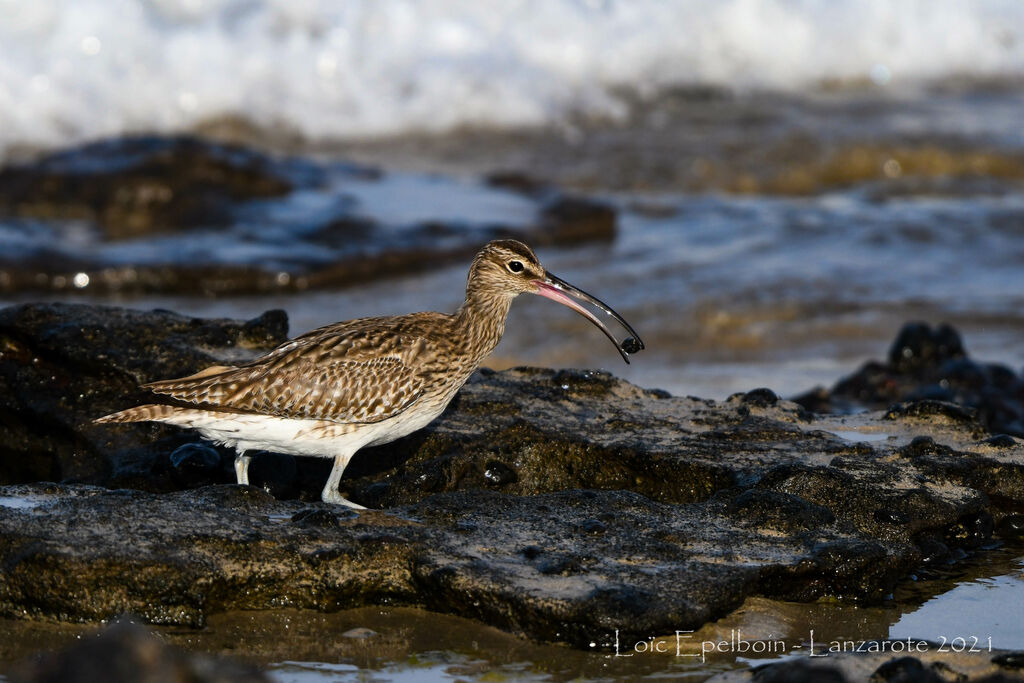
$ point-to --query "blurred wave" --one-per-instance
(72, 70)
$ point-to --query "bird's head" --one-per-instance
(508, 268)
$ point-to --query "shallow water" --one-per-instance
(975, 612)
(980, 600)
(982, 610)
(19, 502)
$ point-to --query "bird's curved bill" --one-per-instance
(559, 290)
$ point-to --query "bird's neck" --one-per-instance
(481, 318)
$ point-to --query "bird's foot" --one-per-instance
(336, 498)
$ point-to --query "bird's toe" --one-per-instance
(335, 498)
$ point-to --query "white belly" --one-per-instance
(248, 432)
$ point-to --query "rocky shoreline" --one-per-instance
(102, 218)
(565, 506)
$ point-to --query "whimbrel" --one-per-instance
(362, 382)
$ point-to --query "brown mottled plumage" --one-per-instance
(361, 382)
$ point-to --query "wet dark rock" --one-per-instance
(797, 671)
(532, 551)
(571, 220)
(881, 665)
(62, 365)
(195, 464)
(918, 347)
(928, 408)
(558, 504)
(275, 473)
(1011, 527)
(242, 499)
(137, 186)
(905, 670)
(264, 331)
(971, 532)
(760, 397)
(142, 188)
(1000, 441)
(933, 551)
(929, 375)
(518, 181)
(894, 517)
(1001, 677)
(782, 511)
(499, 474)
(125, 652)
(322, 517)
(922, 445)
(1009, 660)
(544, 431)
(563, 565)
(141, 554)
(345, 231)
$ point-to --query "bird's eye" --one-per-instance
(515, 266)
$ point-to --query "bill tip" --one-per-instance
(631, 345)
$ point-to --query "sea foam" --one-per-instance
(79, 69)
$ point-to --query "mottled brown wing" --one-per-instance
(346, 377)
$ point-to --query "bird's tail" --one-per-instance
(184, 416)
(147, 413)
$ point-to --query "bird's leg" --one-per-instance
(330, 493)
(242, 468)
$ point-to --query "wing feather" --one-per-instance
(339, 375)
